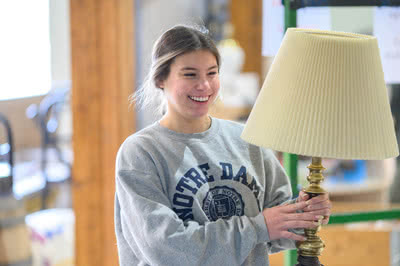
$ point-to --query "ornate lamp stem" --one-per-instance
(311, 248)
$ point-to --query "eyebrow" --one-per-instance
(192, 68)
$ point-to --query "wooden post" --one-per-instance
(246, 18)
(102, 49)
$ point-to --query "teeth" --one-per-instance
(199, 99)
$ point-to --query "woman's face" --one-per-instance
(192, 85)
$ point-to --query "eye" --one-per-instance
(189, 74)
(213, 73)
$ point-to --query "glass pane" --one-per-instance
(24, 49)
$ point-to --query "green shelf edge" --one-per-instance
(355, 217)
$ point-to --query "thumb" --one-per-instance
(303, 196)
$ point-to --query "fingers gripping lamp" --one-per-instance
(324, 96)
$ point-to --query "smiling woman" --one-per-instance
(190, 88)
(189, 190)
(165, 51)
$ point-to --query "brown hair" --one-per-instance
(176, 41)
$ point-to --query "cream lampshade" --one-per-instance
(324, 97)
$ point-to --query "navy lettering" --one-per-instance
(241, 174)
(183, 200)
(204, 168)
(184, 214)
(256, 192)
(182, 184)
(227, 172)
(254, 187)
(195, 177)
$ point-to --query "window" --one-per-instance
(25, 65)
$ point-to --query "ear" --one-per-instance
(160, 84)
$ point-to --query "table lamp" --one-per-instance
(324, 97)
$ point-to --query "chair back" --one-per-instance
(6, 158)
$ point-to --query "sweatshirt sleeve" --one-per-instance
(279, 192)
(163, 239)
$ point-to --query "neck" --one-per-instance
(187, 126)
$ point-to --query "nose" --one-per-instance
(204, 84)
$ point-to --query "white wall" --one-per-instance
(352, 19)
(60, 40)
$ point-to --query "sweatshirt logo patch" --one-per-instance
(223, 202)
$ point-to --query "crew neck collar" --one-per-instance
(190, 136)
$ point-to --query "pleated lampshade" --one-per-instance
(325, 96)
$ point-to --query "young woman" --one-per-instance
(189, 190)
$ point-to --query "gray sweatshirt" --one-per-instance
(196, 199)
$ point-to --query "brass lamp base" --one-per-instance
(308, 261)
(311, 248)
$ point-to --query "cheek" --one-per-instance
(215, 84)
(180, 94)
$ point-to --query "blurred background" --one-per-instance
(67, 69)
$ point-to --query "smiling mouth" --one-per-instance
(199, 99)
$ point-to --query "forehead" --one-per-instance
(197, 59)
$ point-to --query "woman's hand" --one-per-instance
(319, 205)
(281, 218)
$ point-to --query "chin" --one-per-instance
(199, 115)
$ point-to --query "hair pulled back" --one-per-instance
(179, 40)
